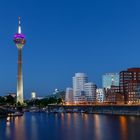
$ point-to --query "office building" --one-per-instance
(130, 85)
(110, 79)
(90, 92)
(79, 81)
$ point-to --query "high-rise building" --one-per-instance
(69, 96)
(79, 81)
(100, 95)
(90, 92)
(130, 85)
(19, 40)
(110, 79)
(83, 91)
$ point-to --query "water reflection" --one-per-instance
(85, 125)
(19, 128)
(62, 120)
(97, 130)
(123, 127)
(34, 130)
(8, 132)
(132, 118)
(69, 120)
(70, 127)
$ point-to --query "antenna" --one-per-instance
(19, 25)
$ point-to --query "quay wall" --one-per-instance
(98, 109)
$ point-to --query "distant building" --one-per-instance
(100, 94)
(130, 85)
(12, 94)
(90, 92)
(79, 81)
(69, 96)
(40, 98)
(55, 91)
(110, 79)
(33, 95)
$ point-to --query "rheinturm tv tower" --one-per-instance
(19, 40)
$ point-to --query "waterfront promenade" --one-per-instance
(89, 109)
(99, 109)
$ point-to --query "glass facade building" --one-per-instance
(110, 79)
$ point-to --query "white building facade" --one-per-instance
(90, 92)
(100, 95)
(79, 81)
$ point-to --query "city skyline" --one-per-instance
(68, 37)
(70, 69)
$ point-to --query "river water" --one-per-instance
(43, 126)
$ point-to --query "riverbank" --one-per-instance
(133, 110)
(97, 109)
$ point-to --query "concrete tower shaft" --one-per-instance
(20, 78)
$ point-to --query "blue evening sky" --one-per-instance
(67, 36)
